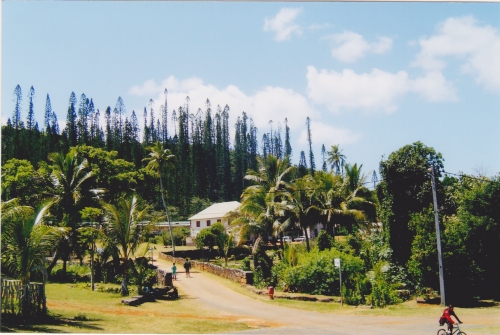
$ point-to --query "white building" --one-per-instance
(211, 215)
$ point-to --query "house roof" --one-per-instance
(216, 210)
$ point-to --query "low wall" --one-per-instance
(239, 276)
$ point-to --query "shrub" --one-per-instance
(245, 264)
(325, 241)
(316, 274)
(74, 273)
(383, 291)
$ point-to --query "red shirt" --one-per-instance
(447, 314)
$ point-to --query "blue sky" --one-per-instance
(372, 77)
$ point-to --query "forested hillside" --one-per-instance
(209, 167)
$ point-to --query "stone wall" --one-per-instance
(239, 276)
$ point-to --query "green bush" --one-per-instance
(180, 234)
(325, 241)
(316, 274)
(245, 264)
(74, 273)
(383, 291)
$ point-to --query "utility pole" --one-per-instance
(438, 237)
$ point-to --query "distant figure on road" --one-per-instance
(446, 318)
(187, 266)
(270, 291)
(174, 272)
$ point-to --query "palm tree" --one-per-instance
(121, 230)
(296, 207)
(159, 159)
(335, 199)
(26, 241)
(11, 209)
(353, 174)
(66, 186)
(272, 181)
(336, 159)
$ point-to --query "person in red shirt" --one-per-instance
(446, 318)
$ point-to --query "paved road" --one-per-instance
(273, 319)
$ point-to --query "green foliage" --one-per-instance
(423, 263)
(469, 236)
(26, 241)
(18, 180)
(383, 290)
(214, 236)
(406, 189)
(290, 255)
(206, 238)
(116, 176)
(74, 273)
(122, 230)
(246, 264)
(316, 274)
(374, 249)
(142, 274)
(325, 241)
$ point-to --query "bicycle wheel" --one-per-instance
(441, 332)
(461, 333)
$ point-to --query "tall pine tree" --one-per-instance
(312, 165)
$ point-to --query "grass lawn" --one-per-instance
(75, 309)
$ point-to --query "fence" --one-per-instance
(13, 293)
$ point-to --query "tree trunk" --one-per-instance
(307, 240)
(54, 262)
(92, 266)
(168, 218)
(124, 286)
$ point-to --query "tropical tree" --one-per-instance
(354, 176)
(336, 159)
(26, 241)
(122, 230)
(272, 182)
(406, 189)
(296, 207)
(66, 185)
(158, 160)
(336, 198)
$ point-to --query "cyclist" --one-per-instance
(446, 318)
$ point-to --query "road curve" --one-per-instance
(268, 318)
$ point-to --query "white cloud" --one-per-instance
(283, 24)
(324, 133)
(476, 46)
(350, 46)
(434, 87)
(375, 91)
(384, 45)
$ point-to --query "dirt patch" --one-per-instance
(133, 311)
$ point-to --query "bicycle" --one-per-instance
(455, 330)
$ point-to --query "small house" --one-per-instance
(211, 215)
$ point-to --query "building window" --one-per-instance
(208, 223)
(219, 220)
(197, 223)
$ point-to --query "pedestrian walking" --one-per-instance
(187, 266)
(174, 272)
